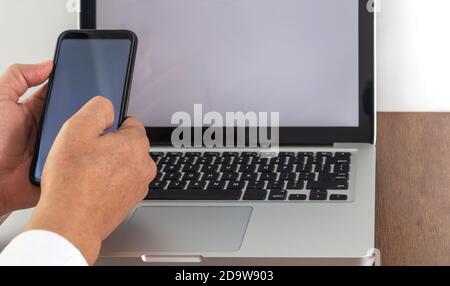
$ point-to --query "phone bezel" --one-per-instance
(88, 35)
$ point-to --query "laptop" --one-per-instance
(309, 199)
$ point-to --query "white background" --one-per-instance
(414, 55)
(413, 46)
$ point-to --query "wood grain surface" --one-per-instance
(413, 188)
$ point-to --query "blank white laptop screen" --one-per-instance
(295, 57)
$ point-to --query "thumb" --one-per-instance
(96, 116)
(18, 78)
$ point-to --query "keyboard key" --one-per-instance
(171, 168)
(275, 185)
(209, 168)
(157, 185)
(295, 185)
(156, 156)
(210, 176)
(318, 195)
(231, 195)
(277, 195)
(304, 168)
(255, 195)
(249, 154)
(228, 168)
(258, 185)
(247, 168)
(324, 154)
(173, 176)
(205, 160)
(296, 160)
(195, 185)
(341, 168)
(322, 168)
(224, 160)
(216, 185)
(249, 176)
(314, 160)
(211, 154)
(165, 160)
(191, 177)
(330, 185)
(278, 160)
(338, 197)
(306, 176)
(342, 155)
(190, 168)
(288, 176)
(268, 176)
(344, 161)
(332, 160)
(230, 176)
(176, 185)
(174, 154)
(242, 160)
(333, 176)
(173, 161)
(262, 161)
(235, 185)
(297, 197)
(186, 160)
(159, 176)
(285, 169)
(265, 168)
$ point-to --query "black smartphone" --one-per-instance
(87, 63)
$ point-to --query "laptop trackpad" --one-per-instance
(187, 229)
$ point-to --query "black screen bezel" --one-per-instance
(87, 34)
(294, 136)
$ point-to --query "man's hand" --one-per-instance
(18, 129)
(91, 180)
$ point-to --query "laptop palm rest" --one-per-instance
(185, 229)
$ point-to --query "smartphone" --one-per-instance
(87, 63)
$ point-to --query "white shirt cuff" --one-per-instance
(41, 248)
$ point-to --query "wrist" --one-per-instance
(70, 227)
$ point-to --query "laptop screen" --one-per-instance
(295, 57)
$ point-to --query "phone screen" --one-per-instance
(84, 68)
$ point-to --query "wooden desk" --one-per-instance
(413, 188)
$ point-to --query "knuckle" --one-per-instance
(137, 140)
(142, 194)
(145, 144)
(14, 72)
(135, 123)
(68, 124)
(104, 103)
(151, 170)
(14, 68)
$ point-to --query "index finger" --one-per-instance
(132, 129)
(96, 116)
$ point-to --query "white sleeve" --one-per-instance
(41, 248)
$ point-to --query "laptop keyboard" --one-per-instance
(246, 176)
